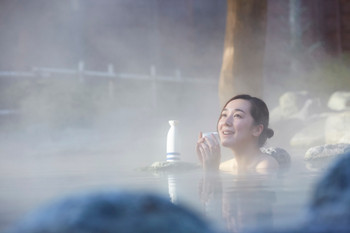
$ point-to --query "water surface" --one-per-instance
(232, 202)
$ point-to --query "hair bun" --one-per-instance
(269, 133)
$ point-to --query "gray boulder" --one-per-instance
(292, 102)
(165, 166)
(337, 128)
(296, 105)
(319, 157)
(311, 135)
(285, 130)
(339, 101)
(282, 156)
(328, 151)
(292, 114)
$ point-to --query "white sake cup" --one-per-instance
(207, 135)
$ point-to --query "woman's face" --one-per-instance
(236, 125)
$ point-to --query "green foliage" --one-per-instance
(328, 77)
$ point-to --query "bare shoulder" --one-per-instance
(267, 162)
(228, 165)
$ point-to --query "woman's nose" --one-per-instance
(229, 120)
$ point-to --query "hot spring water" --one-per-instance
(35, 172)
(231, 201)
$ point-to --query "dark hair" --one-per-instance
(260, 114)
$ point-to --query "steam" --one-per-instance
(162, 62)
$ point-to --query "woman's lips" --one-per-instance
(227, 132)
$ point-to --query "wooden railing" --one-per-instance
(81, 72)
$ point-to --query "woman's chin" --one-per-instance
(227, 143)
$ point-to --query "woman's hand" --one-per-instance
(208, 152)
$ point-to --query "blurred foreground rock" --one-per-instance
(330, 203)
(329, 209)
(113, 212)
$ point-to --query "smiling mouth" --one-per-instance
(227, 132)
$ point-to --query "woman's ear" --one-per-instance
(257, 130)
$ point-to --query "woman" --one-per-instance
(243, 128)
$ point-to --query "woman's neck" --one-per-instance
(245, 157)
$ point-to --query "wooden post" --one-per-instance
(111, 81)
(81, 71)
(338, 28)
(154, 86)
(242, 66)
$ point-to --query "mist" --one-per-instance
(57, 44)
(88, 87)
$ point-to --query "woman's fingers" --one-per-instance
(216, 146)
(208, 142)
(209, 154)
(213, 143)
(200, 135)
(204, 152)
(208, 151)
(216, 139)
(198, 151)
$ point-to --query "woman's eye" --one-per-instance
(237, 116)
(223, 115)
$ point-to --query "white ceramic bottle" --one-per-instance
(172, 146)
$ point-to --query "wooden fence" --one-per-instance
(109, 75)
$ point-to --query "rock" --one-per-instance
(337, 127)
(164, 166)
(328, 151)
(296, 105)
(276, 114)
(345, 138)
(285, 130)
(311, 135)
(319, 157)
(292, 102)
(339, 101)
(292, 115)
(330, 202)
(287, 108)
(113, 212)
(309, 109)
(282, 156)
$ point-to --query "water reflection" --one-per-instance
(243, 201)
(172, 188)
(248, 208)
(231, 201)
